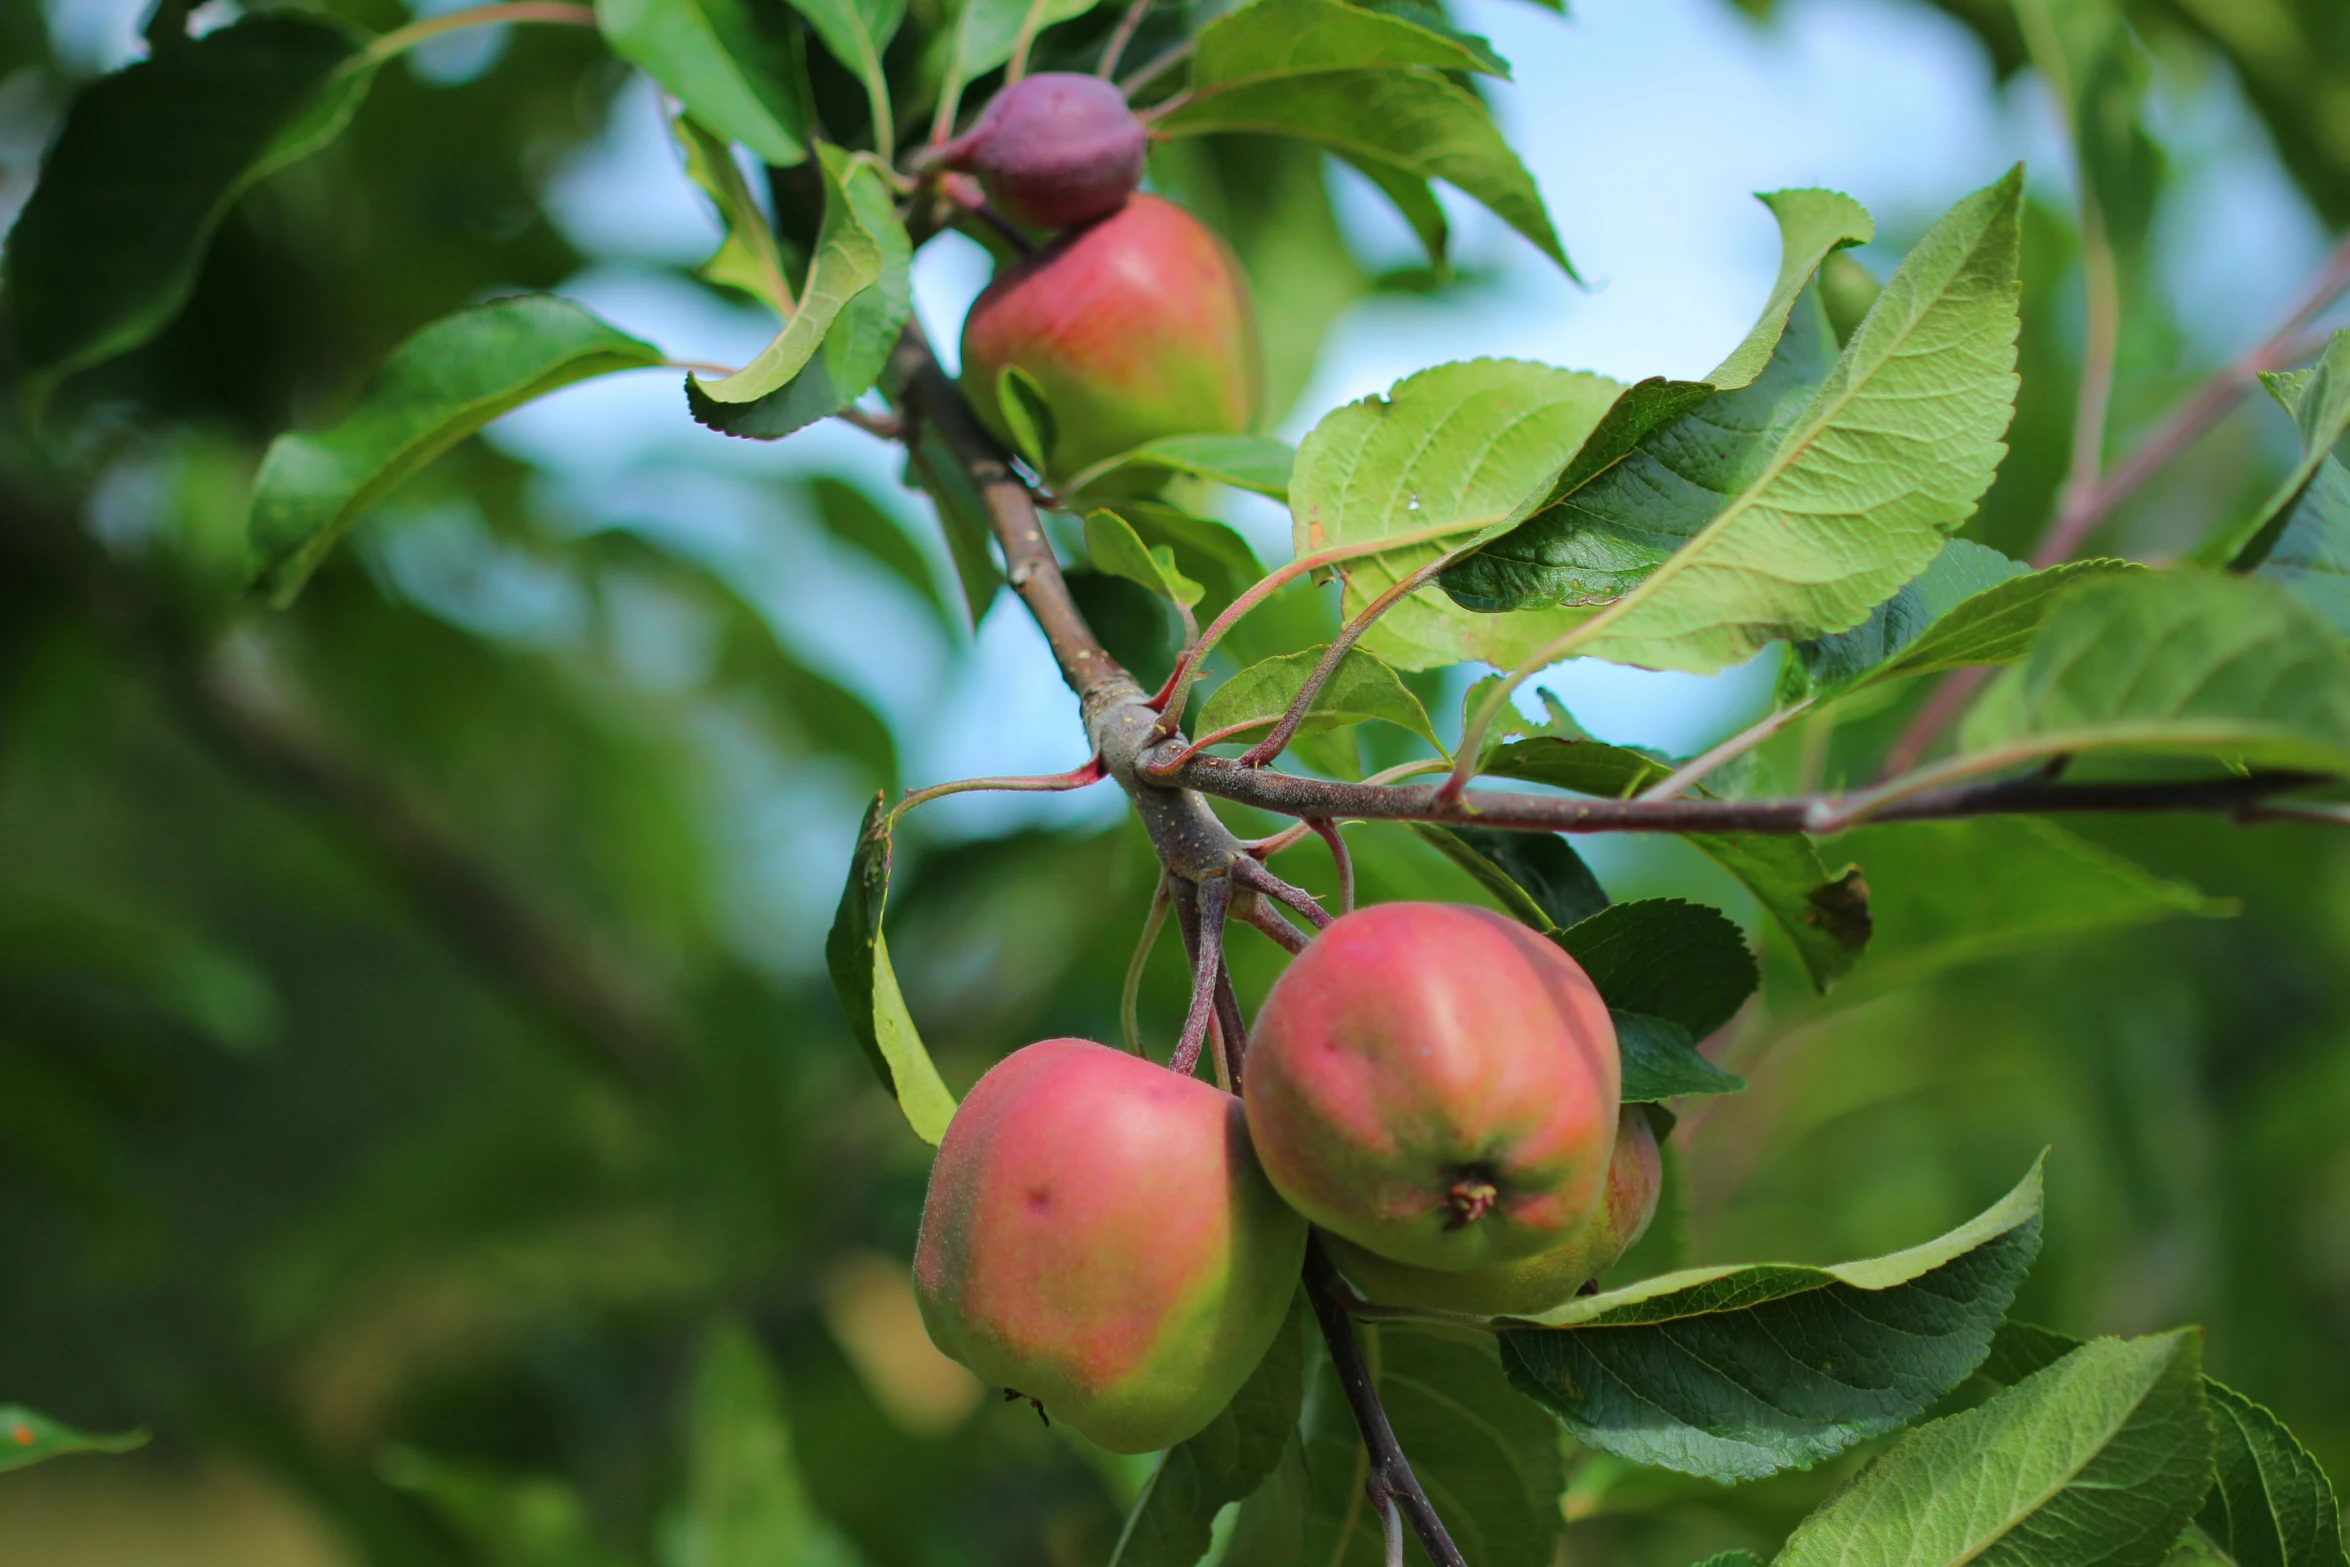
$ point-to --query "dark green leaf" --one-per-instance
(1208, 552)
(1488, 1460)
(2318, 399)
(745, 1505)
(1732, 1559)
(859, 960)
(2311, 550)
(1680, 961)
(77, 936)
(1538, 877)
(1661, 1061)
(1739, 1372)
(735, 65)
(2100, 1459)
(962, 517)
(1963, 570)
(857, 298)
(2181, 663)
(1170, 1523)
(27, 1437)
(856, 32)
(1413, 119)
(150, 160)
(437, 388)
(986, 32)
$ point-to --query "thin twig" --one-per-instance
(1391, 1472)
(401, 38)
(1130, 993)
(1159, 67)
(1089, 773)
(1341, 857)
(1745, 740)
(1204, 934)
(1938, 713)
(1116, 47)
(1268, 919)
(2198, 414)
(1231, 1032)
(1274, 744)
(1253, 875)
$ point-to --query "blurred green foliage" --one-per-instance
(392, 1104)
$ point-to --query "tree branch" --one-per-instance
(1391, 1481)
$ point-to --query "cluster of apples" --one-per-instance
(1134, 320)
(1433, 1087)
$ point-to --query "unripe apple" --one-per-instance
(1099, 1237)
(1635, 1177)
(1055, 150)
(1135, 327)
(1436, 1084)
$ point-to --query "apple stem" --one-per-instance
(1203, 932)
(1252, 875)
(1342, 857)
(1268, 919)
(1274, 744)
(1391, 1474)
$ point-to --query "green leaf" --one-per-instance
(1114, 547)
(1362, 688)
(734, 64)
(1738, 1372)
(1415, 201)
(2180, 663)
(2272, 1505)
(858, 297)
(1661, 1061)
(2319, 401)
(1804, 531)
(1034, 430)
(1446, 455)
(856, 32)
(749, 257)
(513, 1520)
(1536, 876)
(987, 31)
(1732, 1559)
(149, 161)
(932, 467)
(745, 1505)
(1683, 962)
(2100, 1459)
(1209, 552)
(2310, 552)
(1276, 38)
(66, 936)
(27, 1437)
(1246, 462)
(1961, 572)
(1171, 1521)
(859, 960)
(1948, 893)
(1412, 119)
(1488, 1460)
(1656, 467)
(438, 387)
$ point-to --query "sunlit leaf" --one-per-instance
(27, 1437)
(1275, 38)
(1737, 1372)
(1246, 462)
(438, 387)
(1803, 531)
(2180, 663)
(1445, 455)
(149, 161)
(1115, 548)
(749, 258)
(2100, 1459)
(1360, 689)
(857, 298)
(733, 64)
(859, 960)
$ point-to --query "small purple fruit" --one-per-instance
(1055, 150)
